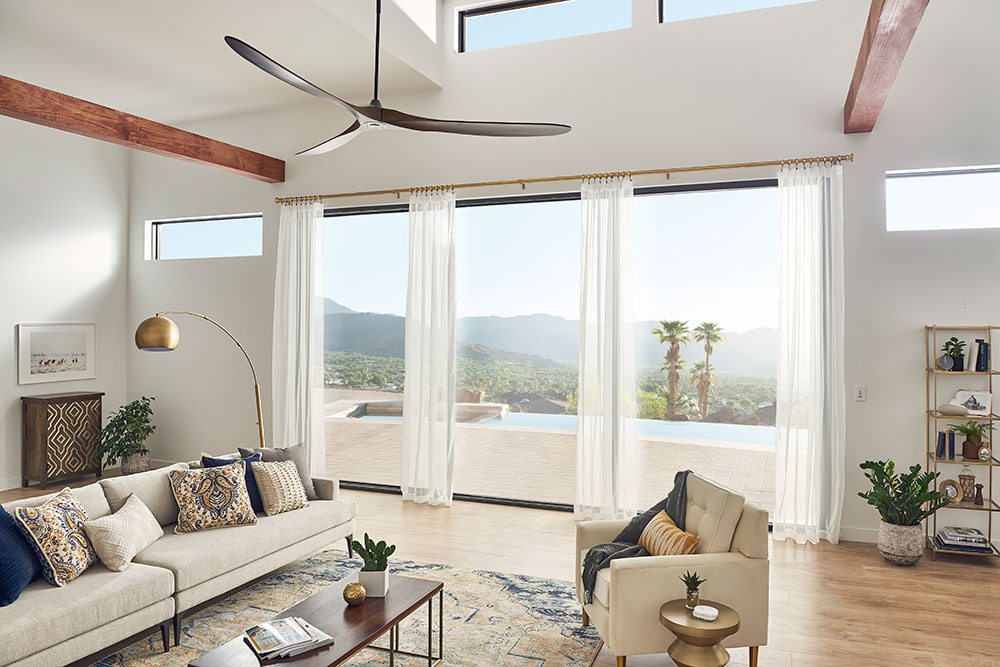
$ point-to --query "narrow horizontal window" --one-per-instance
(927, 199)
(526, 21)
(199, 238)
(682, 10)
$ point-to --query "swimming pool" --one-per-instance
(754, 435)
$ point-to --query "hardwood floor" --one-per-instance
(830, 605)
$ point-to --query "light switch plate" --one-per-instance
(860, 392)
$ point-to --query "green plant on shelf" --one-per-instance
(977, 432)
(953, 347)
(902, 499)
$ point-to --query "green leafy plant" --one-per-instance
(376, 556)
(126, 432)
(972, 430)
(691, 580)
(953, 347)
(902, 499)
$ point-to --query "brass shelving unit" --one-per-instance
(932, 346)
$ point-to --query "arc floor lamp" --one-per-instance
(160, 334)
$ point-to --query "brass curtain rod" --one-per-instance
(575, 177)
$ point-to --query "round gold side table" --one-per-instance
(697, 643)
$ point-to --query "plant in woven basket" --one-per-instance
(375, 556)
(126, 432)
(902, 499)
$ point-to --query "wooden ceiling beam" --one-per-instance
(34, 104)
(890, 29)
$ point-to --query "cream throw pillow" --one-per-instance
(118, 537)
(280, 486)
(662, 537)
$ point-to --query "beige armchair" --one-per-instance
(732, 557)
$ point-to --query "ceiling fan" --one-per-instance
(376, 117)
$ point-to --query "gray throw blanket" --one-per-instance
(626, 544)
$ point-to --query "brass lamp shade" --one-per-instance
(157, 334)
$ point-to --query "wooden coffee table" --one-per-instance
(697, 643)
(353, 628)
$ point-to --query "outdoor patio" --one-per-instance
(532, 464)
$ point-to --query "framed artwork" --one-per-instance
(977, 402)
(56, 352)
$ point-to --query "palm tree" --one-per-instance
(676, 333)
(701, 375)
(708, 333)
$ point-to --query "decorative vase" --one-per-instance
(134, 463)
(979, 495)
(375, 583)
(692, 598)
(968, 482)
(901, 545)
(970, 448)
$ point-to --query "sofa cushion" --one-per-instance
(212, 498)
(712, 514)
(280, 487)
(252, 489)
(602, 586)
(95, 504)
(197, 557)
(45, 616)
(662, 537)
(19, 565)
(119, 537)
(151, 487)
(297, 453)
(55, 531)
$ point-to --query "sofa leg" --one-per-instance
(754, 651)
(350, 546)
(177, 629)
(165, 635)
(621, 660)
(586, 619)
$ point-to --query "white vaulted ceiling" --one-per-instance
(168, 61)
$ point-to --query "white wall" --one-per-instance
(62, 259)
(764, 85)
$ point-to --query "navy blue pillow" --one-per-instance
(19, 565)
(255, 500)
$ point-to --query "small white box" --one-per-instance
(705, 613)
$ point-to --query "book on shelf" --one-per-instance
(962, 534)
(940, 451)
(964, 548)
(285, 638)
(951, 445)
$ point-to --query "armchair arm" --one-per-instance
(589, 534)
(326, 488)
(639, 586)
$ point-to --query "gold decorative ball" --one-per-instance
(355, 594)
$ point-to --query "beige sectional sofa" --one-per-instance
(101, 610)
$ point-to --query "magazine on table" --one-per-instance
(285, 638)
(962, 534)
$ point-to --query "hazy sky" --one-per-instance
(706, 256)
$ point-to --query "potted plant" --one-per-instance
(124, 436)
(903, 500)
(953, 347)
(374, 575)
(692, 582)
(974, 434)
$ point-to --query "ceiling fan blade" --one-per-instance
(477, 128)
(335, 142)
(279, 71)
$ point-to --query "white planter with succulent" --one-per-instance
(124, 437)
(374, 574)
(903, 501)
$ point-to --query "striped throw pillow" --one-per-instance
(662, 537)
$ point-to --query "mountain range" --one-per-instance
(540, 340)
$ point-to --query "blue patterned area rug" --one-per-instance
(491, 618)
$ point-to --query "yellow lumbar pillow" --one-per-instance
(662, 537)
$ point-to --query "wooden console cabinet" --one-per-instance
(59, 436)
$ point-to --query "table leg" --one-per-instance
(441, 625)
(430, 632)
(393, 645)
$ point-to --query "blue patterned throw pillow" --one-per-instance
(18, 565)
(212, 497)
(55, 531)
(252, 489)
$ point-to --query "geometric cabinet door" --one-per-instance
(59, 436)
